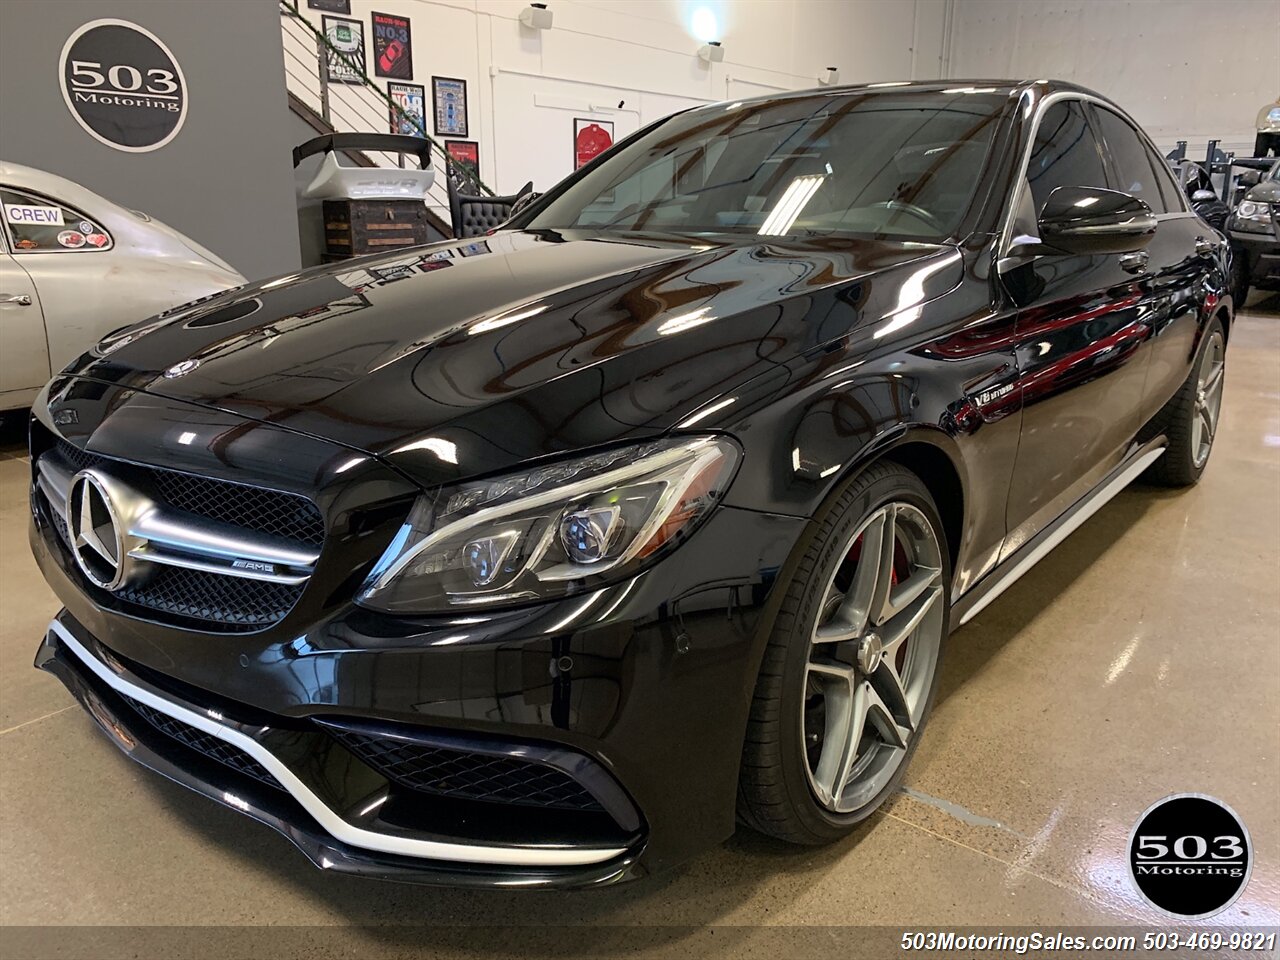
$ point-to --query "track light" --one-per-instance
(711, 52)
(536, 16)
(829, 77)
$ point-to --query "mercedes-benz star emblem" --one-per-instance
(181, 369)
(96, 538)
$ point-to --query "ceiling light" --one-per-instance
(703, 25)
(793, 201)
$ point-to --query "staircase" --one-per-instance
(361, 107)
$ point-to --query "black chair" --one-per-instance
(474, 215)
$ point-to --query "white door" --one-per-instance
(24, 349)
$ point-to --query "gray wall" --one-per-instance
(226, 179)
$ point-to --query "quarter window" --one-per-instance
(39, 225)
(1135, 172)
(1065, 153)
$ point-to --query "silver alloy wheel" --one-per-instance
(872, 657)
(1209, 379)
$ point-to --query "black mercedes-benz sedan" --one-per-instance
(548, 557)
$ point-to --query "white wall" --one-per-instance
(526, 87)
(1185, 69)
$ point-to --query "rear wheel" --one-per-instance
(1191, 417)
(850, 671)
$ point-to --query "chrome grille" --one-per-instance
(267, 511)
(201, 552)
(229, 601)
(271, 512)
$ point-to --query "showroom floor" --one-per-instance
(1140, 659)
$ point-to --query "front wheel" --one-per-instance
(851, 668)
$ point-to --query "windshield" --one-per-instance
(873, 164)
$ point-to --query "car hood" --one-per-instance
(1268, 191)
(469, 357)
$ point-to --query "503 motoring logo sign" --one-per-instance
(1190, 855)
(123, 85)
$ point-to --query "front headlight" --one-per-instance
(560, 529)
(1253, 216)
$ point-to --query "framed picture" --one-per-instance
(465, 153)
(590, 139)
(347, 38)
(392, 47)
(449, 103)
(331, 6)
(411, 118)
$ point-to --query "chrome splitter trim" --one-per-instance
(339, 829)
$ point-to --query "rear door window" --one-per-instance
(1135, 172)
(36, 224)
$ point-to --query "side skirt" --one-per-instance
(976, 599)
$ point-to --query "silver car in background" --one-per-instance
(75, 266)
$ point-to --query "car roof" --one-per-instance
(1037, 89)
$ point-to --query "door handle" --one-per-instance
(21, 299)
(1205, 246)
(1134, 262)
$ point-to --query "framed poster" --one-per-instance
(392, 47)
(331, 6)
(411, 118)
(347, 38)
(590, 139)
(449, 103)
(465, 153)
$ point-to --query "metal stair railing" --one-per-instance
(361, 106)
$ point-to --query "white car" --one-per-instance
(75, 266)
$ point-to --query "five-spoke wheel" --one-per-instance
(873, 655)
(851, 666)
(1209, 379)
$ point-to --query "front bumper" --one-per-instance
(104, 687)
(650, 689)
(1261, 253)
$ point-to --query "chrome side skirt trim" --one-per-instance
(339, 829)
(1003, 577)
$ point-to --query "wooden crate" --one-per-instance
(356, 227)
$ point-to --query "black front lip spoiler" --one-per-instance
(282, 813)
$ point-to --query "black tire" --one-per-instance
(1179, 466)
(775, 792)
(1213, 212)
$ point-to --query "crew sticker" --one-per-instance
(36, 215)
(71, 238)
(1190, 855)
(123, 85)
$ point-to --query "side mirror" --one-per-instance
(1200, 196)
(1090, 220)
(1249, 178)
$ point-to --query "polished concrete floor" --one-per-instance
(1141, 659)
